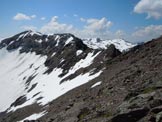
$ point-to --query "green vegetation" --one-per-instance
(84, 112)
(148, 90)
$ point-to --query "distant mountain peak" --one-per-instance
(96, 43)
(31, 32)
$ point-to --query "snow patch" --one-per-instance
(57, 37)
(62, 60)
(34, 32)
(96, 84)
(79, 52)
(85, 62)
(53, 54)
(29, 33)
(69, 40)
(39, 41)
(46, 40)
(21, 36)
(24, 35)
(34, 116)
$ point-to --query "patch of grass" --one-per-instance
(131, 95)
(105, 114)
(98, 106)
(108, 114)
(148, 90)
(84, 112)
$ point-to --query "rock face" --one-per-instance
(129, 83)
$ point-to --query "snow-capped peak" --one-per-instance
(96, 43)
(34, 32)
(29, 33)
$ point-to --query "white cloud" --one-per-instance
(43, 18)
(30, 27)
(55, 27)
(93, 28)
(21, 16)
(75, 15)
(1, 38)
(153, 8)
(120, 34)
(98, 25)
(101, 28)
(147, 33)
(82, 20)
(33, 16)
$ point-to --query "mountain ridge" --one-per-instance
(63, 54)
(92, 43)
(92, 85)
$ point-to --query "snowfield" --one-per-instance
(18, 68)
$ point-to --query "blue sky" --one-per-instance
(133, 20)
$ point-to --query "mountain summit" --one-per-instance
(61, 78)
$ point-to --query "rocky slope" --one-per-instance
(59, 78)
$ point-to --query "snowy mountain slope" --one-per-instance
(20, 67)
(96, 43)
(128, 90)
(37, 68)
